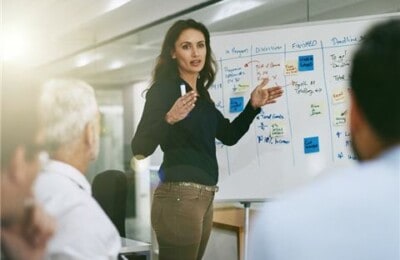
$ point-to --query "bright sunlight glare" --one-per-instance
(14, 45)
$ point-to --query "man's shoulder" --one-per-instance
(346, 206)
(52, 184)
(61, 196)
(48, 184)
(339, 193)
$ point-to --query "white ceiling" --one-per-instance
(112, 43)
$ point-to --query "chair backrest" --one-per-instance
(109, 188)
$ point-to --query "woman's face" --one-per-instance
(190, 52)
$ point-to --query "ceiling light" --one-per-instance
(114, 4)
(236, 7)
(116, 65)
(87, 58)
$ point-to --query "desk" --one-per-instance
(130, 246)
(231, 218)
(239, 220)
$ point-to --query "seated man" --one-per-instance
(25, 227)
(355, 212)
(71, 122)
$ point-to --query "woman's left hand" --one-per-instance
(263, 95)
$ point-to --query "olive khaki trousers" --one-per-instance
(181, 217)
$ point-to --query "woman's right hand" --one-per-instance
(181, 108)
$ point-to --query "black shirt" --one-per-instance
(188, 145)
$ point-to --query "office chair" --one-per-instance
(110, 190)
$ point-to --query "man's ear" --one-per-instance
(17, 167)
(89, 134)
(356, 116)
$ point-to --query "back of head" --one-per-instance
(374, 79)
(66, 106)
(19, 113)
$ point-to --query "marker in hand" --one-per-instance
(183, 89)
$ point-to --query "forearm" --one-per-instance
(230, 133)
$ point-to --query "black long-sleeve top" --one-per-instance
(188, 145)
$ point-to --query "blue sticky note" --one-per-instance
(311, 144)
(306, 63)
(236, 104)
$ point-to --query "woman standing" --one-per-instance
(185, 126)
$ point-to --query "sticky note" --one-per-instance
(236, 104)
(306, 63)
(311, 144)
(277, 130)
(316, 109)
(241, 88)
(291, 68)
(339, 116)
(339, 95)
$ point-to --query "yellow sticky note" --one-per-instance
(339, 116)
(316, 109)
(291, 67)
(339, 95)
(241, 88)
(277, 130)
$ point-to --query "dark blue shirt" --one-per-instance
(188, 145)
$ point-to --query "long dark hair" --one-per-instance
(167, 68)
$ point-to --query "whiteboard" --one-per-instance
(289, 143)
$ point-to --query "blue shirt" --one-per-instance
(351, 214)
